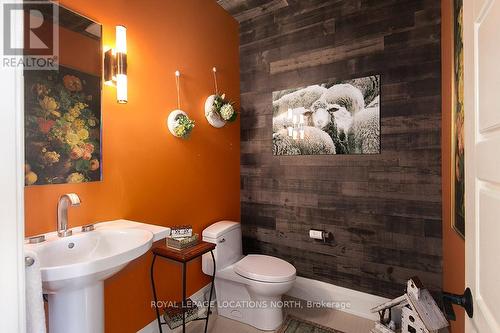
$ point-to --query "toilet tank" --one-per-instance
(227, 236)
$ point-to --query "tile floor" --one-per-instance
(327, 317)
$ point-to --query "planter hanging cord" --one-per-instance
(214, 70)
(177, 83)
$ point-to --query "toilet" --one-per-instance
(248, 288)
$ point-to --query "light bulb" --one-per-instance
(121, 88)
(121, 39)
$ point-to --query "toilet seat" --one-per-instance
(265, 268)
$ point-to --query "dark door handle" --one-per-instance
(465, 300)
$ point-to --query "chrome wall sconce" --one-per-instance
(115, 65)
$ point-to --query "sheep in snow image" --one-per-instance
(304, 97)
(345, 95)
(322, 116)
(331, 118)
(366, 131)
(314, 142)
(284, 120)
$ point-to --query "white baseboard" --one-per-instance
(357, 303)
(198, 296)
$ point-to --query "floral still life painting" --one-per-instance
(458, 152)
(62, 127)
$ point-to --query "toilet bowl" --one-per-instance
(248, 288)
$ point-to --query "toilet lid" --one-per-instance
(265, 268)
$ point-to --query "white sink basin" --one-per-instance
(74, 268)
(82, 259)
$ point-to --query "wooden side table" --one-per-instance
(183, 257)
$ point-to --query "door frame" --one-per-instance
(12, 279)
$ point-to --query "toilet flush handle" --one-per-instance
(222, 240)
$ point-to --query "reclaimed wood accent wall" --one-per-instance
(384, 211)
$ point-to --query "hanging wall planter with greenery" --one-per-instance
(178, 122)
(218, 110)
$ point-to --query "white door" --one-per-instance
(12, 300)
(482, 153)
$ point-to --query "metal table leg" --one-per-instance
(183, 297)
(184, 304)
(211, 291)
(154, 294)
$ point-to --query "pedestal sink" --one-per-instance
(74, 269)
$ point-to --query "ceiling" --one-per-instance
(243, 10)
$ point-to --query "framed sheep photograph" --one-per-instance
(329, 118)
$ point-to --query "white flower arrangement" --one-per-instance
(224, 108)
(227, 112)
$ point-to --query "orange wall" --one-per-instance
(79, 52)
(148, 175)
(453, 245)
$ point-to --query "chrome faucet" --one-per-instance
(62, 213)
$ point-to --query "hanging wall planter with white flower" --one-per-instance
(178, 122)
(218, 110)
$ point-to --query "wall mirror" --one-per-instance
(63, 105)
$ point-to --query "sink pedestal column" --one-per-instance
(77, 310)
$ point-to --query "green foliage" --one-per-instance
(184, 126)
(82, 165)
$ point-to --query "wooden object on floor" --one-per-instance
(419, 311)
